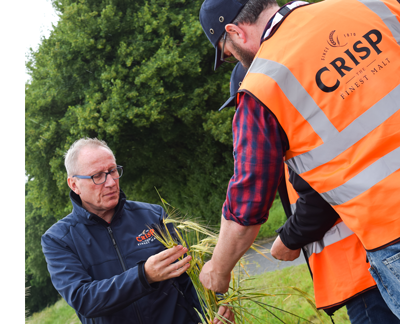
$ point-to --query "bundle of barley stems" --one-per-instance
(200, 241)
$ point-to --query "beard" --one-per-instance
(244, 55)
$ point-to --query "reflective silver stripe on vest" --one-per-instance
(336, 143)
(293, 208)
(297, 95)
(366, 179)
(386, 15)
(365, 123)
(354, 132)
(335, 234)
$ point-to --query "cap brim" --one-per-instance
(218, 61)
(229, 103)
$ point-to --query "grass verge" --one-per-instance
(276, 282)
(59, 313)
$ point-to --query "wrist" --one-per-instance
(218, 267)
(146, 276)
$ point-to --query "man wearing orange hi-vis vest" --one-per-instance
(335, 256)
(323, 94)
(337, 261)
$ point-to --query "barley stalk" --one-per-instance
(200, 241)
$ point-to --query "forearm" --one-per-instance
(258, 152)
(104, 297)
(234, 240)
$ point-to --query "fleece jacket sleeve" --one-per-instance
(312, 219)
(91, 298)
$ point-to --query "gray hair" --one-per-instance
(71, 156)
(252, 10)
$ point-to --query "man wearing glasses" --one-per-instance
(103, 258)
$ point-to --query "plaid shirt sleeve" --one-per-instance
(258, 150)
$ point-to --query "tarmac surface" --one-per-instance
(257, 264)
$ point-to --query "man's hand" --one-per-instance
(225, 312)
(213, 280)
(281, 252)
(160, 267)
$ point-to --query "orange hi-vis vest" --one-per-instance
(330, 74)
(337, 262)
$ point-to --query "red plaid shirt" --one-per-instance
(258, 150)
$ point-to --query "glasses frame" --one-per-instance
(234, 60)
(107, 173)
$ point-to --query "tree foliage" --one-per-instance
(139, 76)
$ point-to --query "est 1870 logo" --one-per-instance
(350, 59)
(333, 40)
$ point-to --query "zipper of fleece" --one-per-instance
(116, 247)
(123, 266)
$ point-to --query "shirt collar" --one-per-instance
(277, 17)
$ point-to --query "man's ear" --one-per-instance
(236, 33)
(72, 183)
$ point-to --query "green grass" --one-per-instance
(275, 220)
(278, 282)
(59, 313)
(274, 282)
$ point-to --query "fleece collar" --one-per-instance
(86, 217)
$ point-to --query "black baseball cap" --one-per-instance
(214, 16)
(237, 77)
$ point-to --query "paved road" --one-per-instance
(258, 264)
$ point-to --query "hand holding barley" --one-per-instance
(226, 313)
(214, 280)
(160, 267)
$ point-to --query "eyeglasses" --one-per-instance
(228, 59)
(101, 177)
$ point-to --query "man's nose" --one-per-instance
(109, 181)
